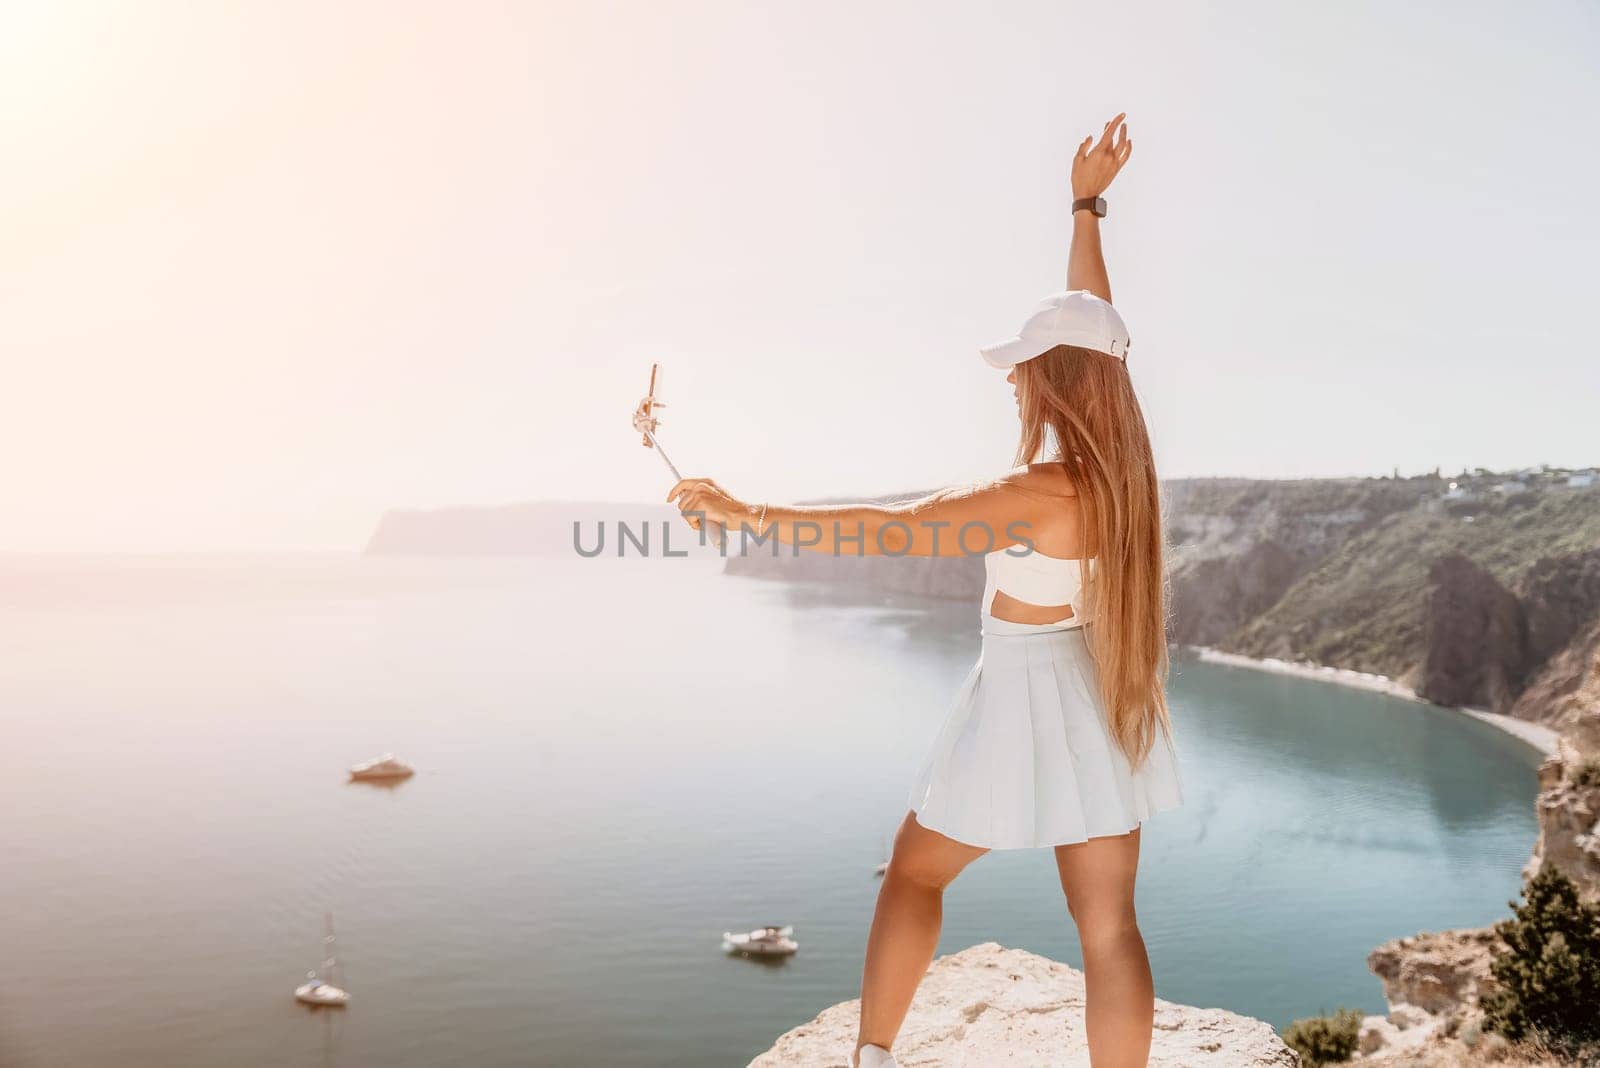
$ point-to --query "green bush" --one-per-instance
(1588, 774)
(1325, 1039)
(1550, 973)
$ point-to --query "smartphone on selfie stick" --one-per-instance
(646, 423)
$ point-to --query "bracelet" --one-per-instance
(762, 522)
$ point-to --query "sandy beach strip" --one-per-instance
(1537, 735)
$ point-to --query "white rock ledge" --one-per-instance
(989, 1005)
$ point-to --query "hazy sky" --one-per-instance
(267, 269)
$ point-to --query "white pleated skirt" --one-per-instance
(1025, 759)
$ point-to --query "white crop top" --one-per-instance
(1035, 579)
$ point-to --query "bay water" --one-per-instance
(618, 760)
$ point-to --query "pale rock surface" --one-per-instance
(1406, 1017)
(1435, 983)
(1437, 972)
(989, 1005)
(1406, 1028)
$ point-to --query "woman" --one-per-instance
(1060, 736)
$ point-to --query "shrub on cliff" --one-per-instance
(1550, 974)
(1325, 1039)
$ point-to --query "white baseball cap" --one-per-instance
(1075, 317)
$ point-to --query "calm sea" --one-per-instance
(618, 760)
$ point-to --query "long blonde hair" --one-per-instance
(1085, 398)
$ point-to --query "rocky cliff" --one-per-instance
(1426, 592)
(1566, 691)
(1475, 637)
(1569, 818)
(1486, 646)
(989, 1005)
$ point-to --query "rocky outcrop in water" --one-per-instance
(989, 1005)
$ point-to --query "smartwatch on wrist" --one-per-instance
(1094, 204)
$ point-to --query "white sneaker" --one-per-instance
(876, 1057)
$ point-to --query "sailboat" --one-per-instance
(317, 990)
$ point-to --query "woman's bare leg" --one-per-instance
(905, 927)
(1098, 877)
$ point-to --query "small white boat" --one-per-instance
(387, 768)
(316, 990)
(762, 942)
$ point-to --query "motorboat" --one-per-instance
(387, 768)
(762, 942)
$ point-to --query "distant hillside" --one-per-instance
(1365, 603)
(1472, 598)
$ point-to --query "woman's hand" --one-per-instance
(1094, 167)
(704, 495)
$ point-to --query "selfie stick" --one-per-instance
(645, 421)
(657, 446)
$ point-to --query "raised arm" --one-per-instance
(1093, 168)
(954, 522)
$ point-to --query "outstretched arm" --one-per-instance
(1093, 168)
(954, 522)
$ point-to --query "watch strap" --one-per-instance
(1094, 204)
